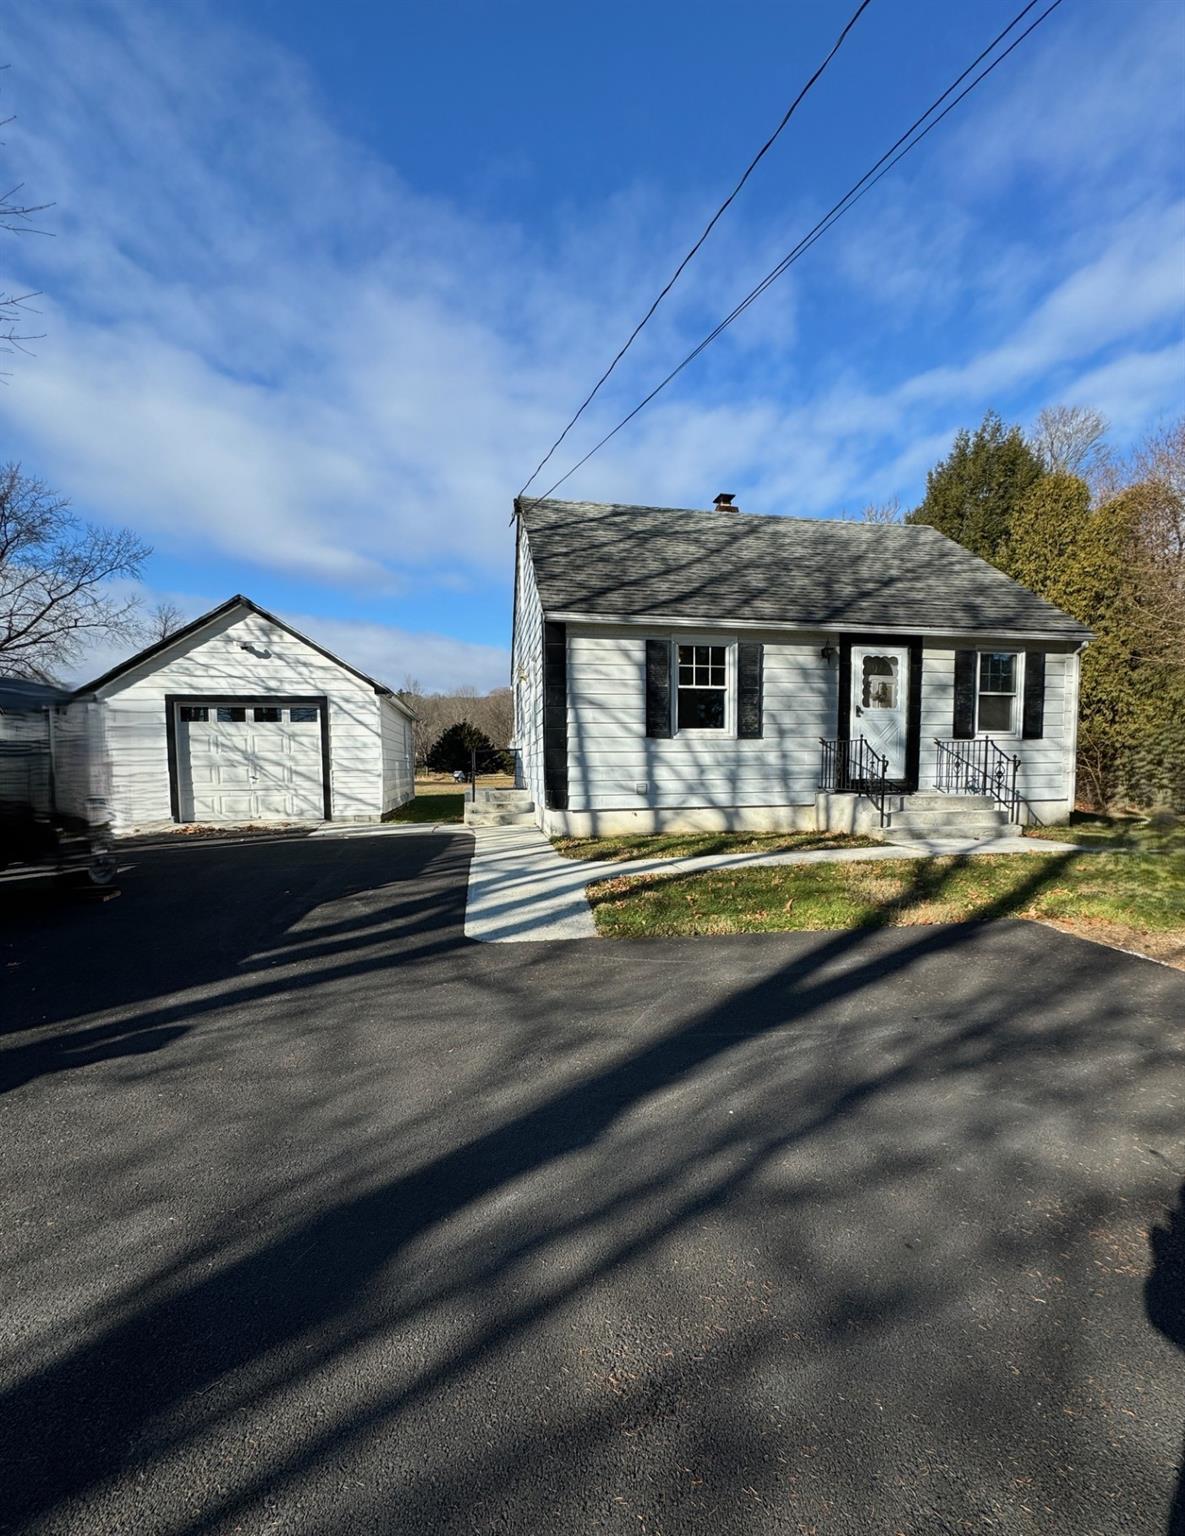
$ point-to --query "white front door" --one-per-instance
(880, 701)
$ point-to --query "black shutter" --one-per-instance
(966, 681)
(555, 715)
(658, 688)
(1034, 710)
(913, 719)
(750, 666)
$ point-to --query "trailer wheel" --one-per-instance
(100, 871)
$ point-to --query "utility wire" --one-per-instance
(708, 228)
(850, 198)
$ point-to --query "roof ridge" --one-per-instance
(727, 512)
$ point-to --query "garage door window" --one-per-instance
(229, 712)
(266, 715)
(191, 712)
(302, 714)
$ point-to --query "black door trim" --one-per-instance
(247, 700)
(913, 712)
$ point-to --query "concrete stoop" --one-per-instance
(934, 818)
(500, 808)
(927, 817)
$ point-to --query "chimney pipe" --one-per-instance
(723, 502)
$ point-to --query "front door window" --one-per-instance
(880, 682)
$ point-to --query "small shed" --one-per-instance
(238, 717)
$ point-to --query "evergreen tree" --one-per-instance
(452, 751)
(972, 495)
(1044, 546)
(1101, 567)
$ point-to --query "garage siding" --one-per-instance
(398, 756)
(215, 662)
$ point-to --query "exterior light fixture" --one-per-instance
(827, 653)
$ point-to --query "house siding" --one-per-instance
(1046, 779)
(618, 777)
(214, 663)
(613, 765)
(527, 669)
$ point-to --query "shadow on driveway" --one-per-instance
(382, 1230)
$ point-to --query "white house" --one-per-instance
(237, 717)
(680, 669)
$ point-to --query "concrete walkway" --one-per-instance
(520, 888)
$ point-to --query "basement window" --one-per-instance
(702, 693)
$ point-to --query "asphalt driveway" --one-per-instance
(318, 1218)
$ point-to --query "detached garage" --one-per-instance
(237, 717)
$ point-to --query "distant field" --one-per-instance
(427, 782)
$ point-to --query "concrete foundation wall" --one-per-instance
(738, 818)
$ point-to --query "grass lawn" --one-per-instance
(1147, 834)
(687, 845)
(434, 806)
(1135, 900)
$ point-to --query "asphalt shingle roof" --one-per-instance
(604, 559)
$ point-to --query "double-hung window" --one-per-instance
(702, 691)
(997, 694)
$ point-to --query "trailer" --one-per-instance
(53, 786)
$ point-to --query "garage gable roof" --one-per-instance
(196, 625)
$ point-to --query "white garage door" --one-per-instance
(249, 762)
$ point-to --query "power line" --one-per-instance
(837, 211)
(708, 228)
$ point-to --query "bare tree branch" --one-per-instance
(56, 575)
(1071, 440)
(16, 214)
(161, 621)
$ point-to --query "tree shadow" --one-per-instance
(770, 1087)
(1164, 1298)
(221, 926)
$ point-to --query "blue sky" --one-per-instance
(324, 284)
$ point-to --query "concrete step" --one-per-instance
(479, 816)
(929, 824)
(520, 799)
(932, 801)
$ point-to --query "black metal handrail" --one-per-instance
(854, 766)
(978, 767)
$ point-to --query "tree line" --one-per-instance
(449, 725)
